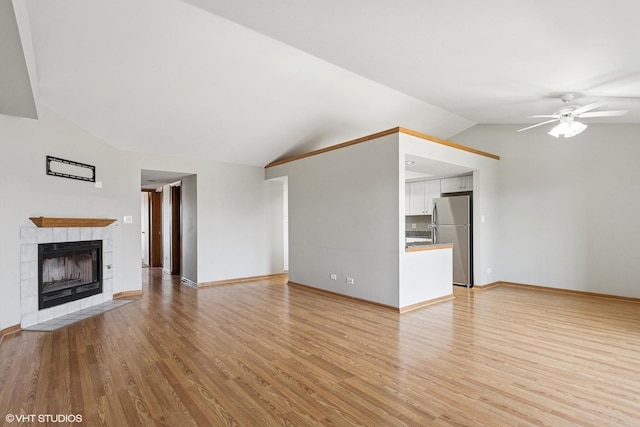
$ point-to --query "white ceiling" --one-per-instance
(15, 87)
(152, 179)
(252, 81)
(417, 167)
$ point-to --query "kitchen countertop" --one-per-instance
(428, 247)
(409, 242)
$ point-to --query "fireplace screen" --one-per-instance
(69, 271)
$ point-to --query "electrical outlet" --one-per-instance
(334, 277)
(488, 270)
(414, 226)
(349, 280)
(128, 219)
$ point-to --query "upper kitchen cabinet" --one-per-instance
(416, 198)
(431, 191)
(457, 184)
(420, 195)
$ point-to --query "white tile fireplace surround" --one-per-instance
(30, 237)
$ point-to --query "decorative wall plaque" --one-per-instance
(69, 169)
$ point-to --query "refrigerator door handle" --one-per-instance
(434, 215)
(434, 224)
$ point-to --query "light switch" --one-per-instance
(128, 219)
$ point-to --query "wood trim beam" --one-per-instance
(448, 143)
(43, 221)
(334, 147)
(379, 135)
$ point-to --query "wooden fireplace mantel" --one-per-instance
(43, 221)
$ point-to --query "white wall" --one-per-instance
(233, 235)
(569, 207)
(26, 191)
(285, 224)
(343, 219)
(274, 199)
(190, 228)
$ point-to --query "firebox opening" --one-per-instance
(68, 272)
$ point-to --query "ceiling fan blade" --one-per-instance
(603, 114)
(587, 107)
(539, 124)
(555, 116)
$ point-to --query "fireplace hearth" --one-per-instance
(68, 271)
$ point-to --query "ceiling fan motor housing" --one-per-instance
(567, 98)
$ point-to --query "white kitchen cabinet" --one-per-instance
(431, 191)
(457, 184)
(419, 196)
(416, 198)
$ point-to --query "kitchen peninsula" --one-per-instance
(427, 275)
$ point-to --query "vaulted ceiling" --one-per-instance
(252, 81)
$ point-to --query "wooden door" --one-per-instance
(155, 238)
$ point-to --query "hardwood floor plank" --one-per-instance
(264, 353)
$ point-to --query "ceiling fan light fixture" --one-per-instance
(567, 126)
(567, 129)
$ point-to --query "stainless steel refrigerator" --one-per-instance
(451, 220)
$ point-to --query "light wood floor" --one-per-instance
(263, 353)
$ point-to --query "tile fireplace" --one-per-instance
(66, 285)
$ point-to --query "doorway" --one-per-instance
(171, 218)
(176, 229)
(156, 217)
(155, 229)
(168, 222)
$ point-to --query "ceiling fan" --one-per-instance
(567, 125)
